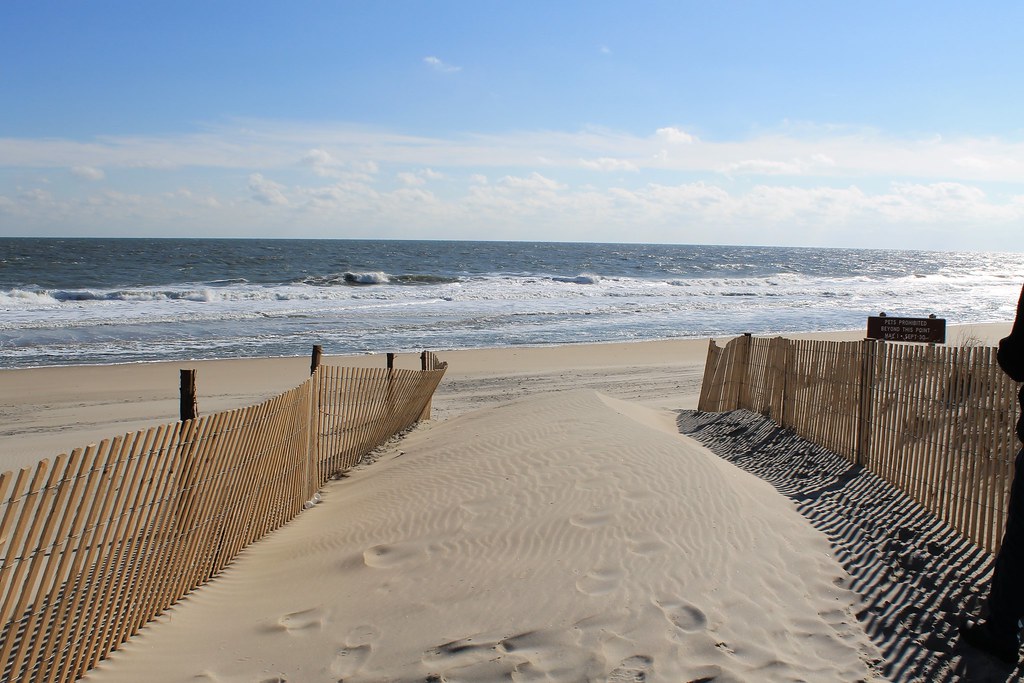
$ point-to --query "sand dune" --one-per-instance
(567, 536)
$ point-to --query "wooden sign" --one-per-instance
(891, 328)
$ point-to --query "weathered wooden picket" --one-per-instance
(935, 421)
(96, 543)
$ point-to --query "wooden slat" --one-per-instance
(982, 452)
(955, 438)
(971, 496)
(85, 507)
(19, 542)
(145, 452)
(915, 437)
(160, 549)
(123, 481)
(87, 555)
(189, 507)
(950, 429)
(34, 587)
(144, 554)
(60, 561)
(933, 423)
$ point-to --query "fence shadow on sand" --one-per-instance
(916, 575)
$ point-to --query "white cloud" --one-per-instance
(368, 168)
(317, 158)
(973, 163)
(420, 177)
(535, 182)
(326, 165)
(675, 136)
(332, 150)
(536, 206)
(762, 167)
(440, 65)
(191, 197)
(411, 179)
(88, 172)
(35, 195)
(266, 191)
(813, 186)
(608, 164)
(816, 164)
(347, 195)
(115, 199)
(943, 193)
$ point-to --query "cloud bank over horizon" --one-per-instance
(813, 186)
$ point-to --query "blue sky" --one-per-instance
(872, 124)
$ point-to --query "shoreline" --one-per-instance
(839, 334)
(48, 410)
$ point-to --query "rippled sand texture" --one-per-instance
(568, 536)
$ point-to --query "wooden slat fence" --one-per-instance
(938, 422)
(97, 543)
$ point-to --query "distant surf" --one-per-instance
(75, 301)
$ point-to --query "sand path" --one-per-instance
(568, 536)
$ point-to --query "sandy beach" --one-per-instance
(551, 522)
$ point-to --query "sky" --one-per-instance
(892, 124)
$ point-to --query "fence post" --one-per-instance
(731, 354)
(868, 354)
(742, 365)
(313, 425)
(391, 361)
(425, 414)
(789, 364)
(188, 405)
(777, 397)
(314, 361)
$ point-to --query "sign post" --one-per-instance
(929, 330)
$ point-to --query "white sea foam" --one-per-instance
(462, 300)
(584, 279)
(374, 278)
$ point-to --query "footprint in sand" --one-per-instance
(300, 621)
(389, 556)
(599, 582)
(631, 670)
(363, 635)
(590, 520)
(460, 653)
(646, 545)
(349, 660)
(640, 495)
(684, 616)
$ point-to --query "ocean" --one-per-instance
(100, 301)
